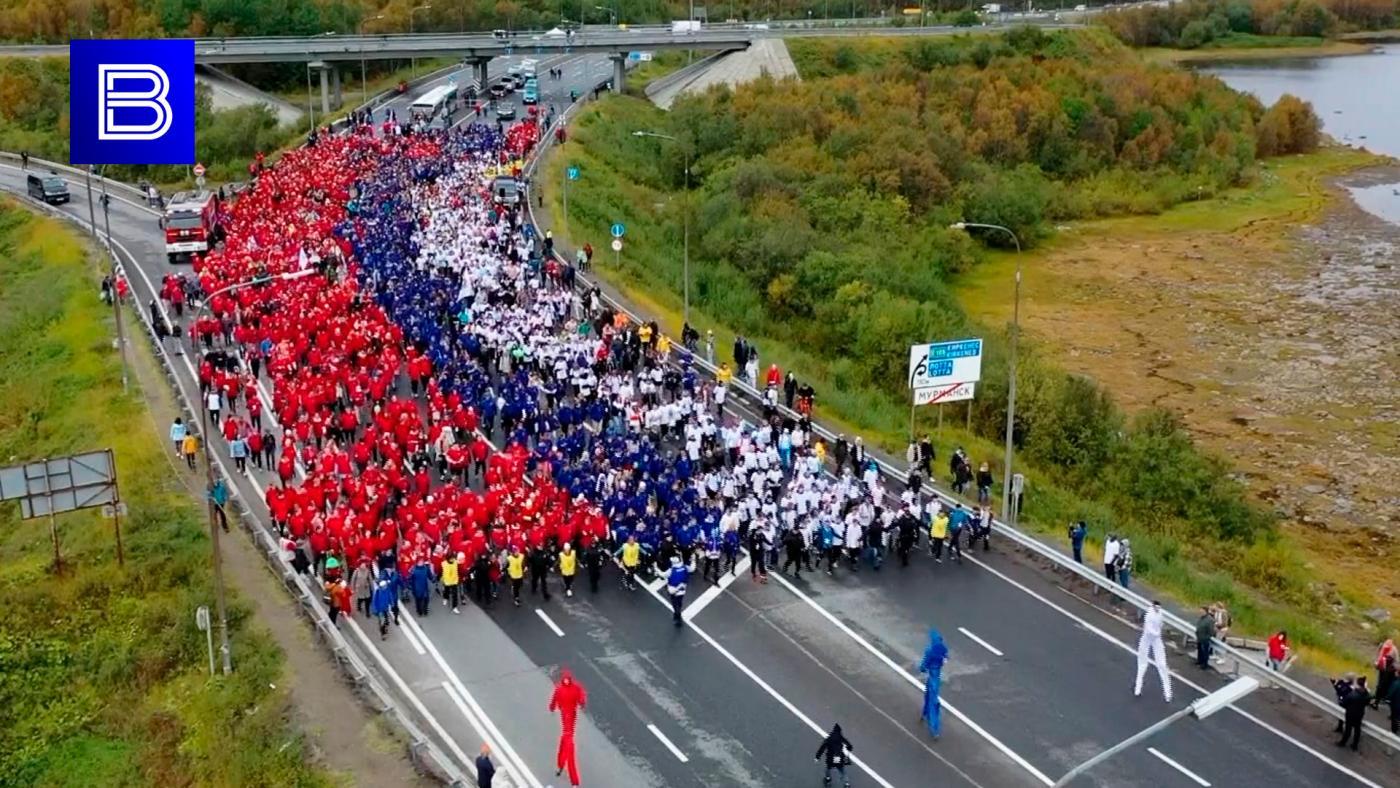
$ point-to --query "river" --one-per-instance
(1357, 97)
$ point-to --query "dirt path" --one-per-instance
(1276, 339)
(354, 744)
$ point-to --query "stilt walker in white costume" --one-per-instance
(1150, 648)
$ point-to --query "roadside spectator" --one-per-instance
(189, 446)
(485, 769)
(1278, 649)
(1110, 557)
(1124, 563)
(1077, 531)
(1385, 669)
(1205, 630)
(1354, 704)
(177, 435)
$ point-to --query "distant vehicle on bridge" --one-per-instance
(48, 188)
(191, 224)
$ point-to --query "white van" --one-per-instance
(528, 68)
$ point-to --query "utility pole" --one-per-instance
(116, 302)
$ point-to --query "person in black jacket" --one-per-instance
(835, 748)
(1342, 687)
(1355, 704)
(485, 769)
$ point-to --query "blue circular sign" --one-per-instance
(618, 230)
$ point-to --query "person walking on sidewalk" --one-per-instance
(836, 749)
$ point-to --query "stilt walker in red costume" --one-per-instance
(568, 698)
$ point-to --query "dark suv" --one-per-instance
(48, 188)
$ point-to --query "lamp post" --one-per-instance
(1011, 386)
(413, 69)
(219, 599)
(364, 80)
(1201, 708)
(685, 265)
(612, 15)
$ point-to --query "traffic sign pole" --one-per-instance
(568, 172)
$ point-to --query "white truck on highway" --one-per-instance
(685, 26)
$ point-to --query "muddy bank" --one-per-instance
(1278, 340)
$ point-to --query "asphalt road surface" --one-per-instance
(1038, 679)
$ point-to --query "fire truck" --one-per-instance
(191, 225)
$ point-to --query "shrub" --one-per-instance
(1289, 126)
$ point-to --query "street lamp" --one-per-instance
(364, 81)
(1201, 708)
(414, 60)
(1015, 332)
(612, 15)
(209, 460)
(116, 303)
(685, 269)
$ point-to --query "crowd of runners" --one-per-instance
(451, 416)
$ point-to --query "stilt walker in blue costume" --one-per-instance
(934, 657)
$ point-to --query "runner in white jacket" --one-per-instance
(1150, 648)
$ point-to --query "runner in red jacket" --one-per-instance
(568, 698)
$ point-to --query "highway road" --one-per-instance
(1039, 679)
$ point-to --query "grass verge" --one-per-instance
(1256, 48)
(103, 675)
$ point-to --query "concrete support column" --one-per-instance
(336, 99)
(325, 87)
(481, 73)
(619, 61)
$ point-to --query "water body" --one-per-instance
(1357, 97)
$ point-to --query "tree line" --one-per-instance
(1197, 23)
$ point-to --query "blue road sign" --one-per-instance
(573, 173)
(618, 230)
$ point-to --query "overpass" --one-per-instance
(475, 49)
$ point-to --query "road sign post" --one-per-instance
(618, 230)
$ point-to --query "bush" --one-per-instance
(1289, 126)
(1197, 33)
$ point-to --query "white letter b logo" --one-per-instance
(109, 99)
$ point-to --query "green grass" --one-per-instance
(103, 675)
(1266, 583)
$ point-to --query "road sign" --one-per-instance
(199, 170)
(617, 244)
(45, 487)
(941, 364)
(573, 173)
(618, 230)
(956, 392)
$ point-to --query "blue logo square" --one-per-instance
(131, 101)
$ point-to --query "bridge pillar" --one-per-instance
(336, 99)
(619, 61)
(481, 73)
(322, 67)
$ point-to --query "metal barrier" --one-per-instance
(1063, 562)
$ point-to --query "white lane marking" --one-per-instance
(499, 741)
(712, 593)
(676, 751)
(485, 722)
(413, 641)
(980, 642)
(549, 622)
(1125, 647)
(912, 679)
(656, 584)
(1179, 767)
(766, 687)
